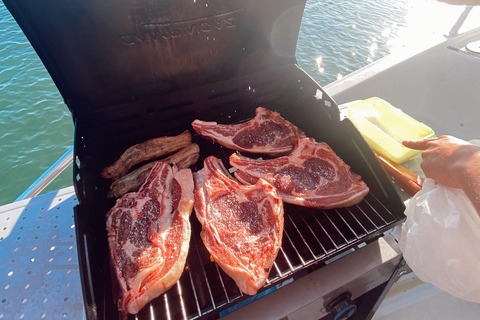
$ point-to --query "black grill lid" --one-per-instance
(111, 52)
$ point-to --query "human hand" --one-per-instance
(448, 160)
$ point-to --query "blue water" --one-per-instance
(336, 38)
(342, 33)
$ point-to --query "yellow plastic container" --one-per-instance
(385, 127)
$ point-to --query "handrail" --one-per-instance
(48, 176)
(463, 16)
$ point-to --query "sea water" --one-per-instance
(336, 38)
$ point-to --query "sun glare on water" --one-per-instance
(428, 22)
(339, 37)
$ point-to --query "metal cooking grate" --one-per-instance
(310, 238)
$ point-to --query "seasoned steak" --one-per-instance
(149, 234)
(242, 225)
(311, 176)
(267, 133)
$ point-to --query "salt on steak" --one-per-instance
(242, 226)
(311, 176)
(149, 234)
(267, 133)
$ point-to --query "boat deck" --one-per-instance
(40, 276)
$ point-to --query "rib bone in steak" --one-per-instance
(149, 234)
(267, 133)
(311, 176)
(242, 225)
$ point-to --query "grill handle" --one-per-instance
(404, 178)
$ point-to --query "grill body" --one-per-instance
(135, 70)
(311, 236)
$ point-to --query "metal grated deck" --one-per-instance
(39, 275)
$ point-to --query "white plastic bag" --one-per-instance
(441, 240)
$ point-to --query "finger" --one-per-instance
(418, 144)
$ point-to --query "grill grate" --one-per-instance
(310, 238)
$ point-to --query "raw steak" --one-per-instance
(311, 176)
(149, 234)
(267, 133)
(242, 225)
(147, 150)
(134, 180)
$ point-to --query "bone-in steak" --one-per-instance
(242, 226)
(311, 176)
(267, 133)
(149, 234)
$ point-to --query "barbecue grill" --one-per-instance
(134, 70)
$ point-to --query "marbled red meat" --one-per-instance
(149, 234)
(242, 226)
(311, 176)
(267, 133)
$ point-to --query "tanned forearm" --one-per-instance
(468, 178)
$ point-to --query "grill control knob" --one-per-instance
(342, 307)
